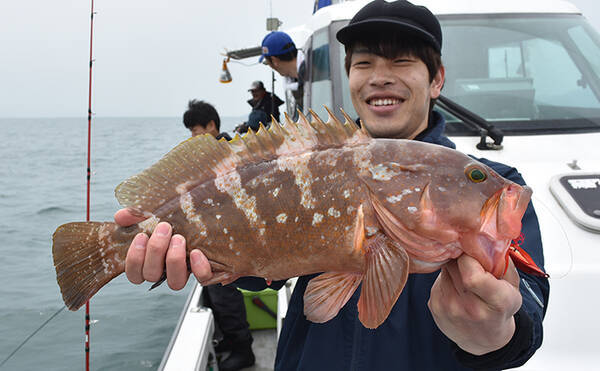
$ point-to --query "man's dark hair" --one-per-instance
(396, 45)
(286, 57)
(200, 113)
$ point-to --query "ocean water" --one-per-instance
(43, 185)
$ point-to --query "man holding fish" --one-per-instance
(467, 315)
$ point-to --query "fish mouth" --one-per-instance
(511, 208)
(500, 223)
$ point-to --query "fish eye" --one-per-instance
(476, 175)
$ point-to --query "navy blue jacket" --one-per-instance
(409, 339)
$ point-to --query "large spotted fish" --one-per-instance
(304, 198)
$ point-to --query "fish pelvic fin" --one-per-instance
(87, 255)
(327, 293)
(386, 273)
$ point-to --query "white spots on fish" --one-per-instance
(333, 212)
(350, 209)
(209, 201)
(362, 160)
(296, 220)
(331, 158)
(184, 187)
(298, 165)
(334, 175)
(275, 192)
(267, 181)
(262, 231)
(397, 198)
(187, 206)
(103, 232)
(412, 209)
(281, 218)
(317, 218)
(225, 230)
(347, 228)
(442, 189)
(371, 231)
(382, 172)
(346, 193)
(231, 184)
(218, 216)
(149, 224)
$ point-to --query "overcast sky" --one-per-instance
(152, 56)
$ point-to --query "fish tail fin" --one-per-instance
(386, 273)
(87, 255)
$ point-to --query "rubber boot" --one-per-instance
(241, 356)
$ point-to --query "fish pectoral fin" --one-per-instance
(386, 274)
(327, 293)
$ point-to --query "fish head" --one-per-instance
(441, 200)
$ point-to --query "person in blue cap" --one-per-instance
(280, 53)
(458, 318)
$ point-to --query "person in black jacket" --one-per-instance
(226, 301)
(458, 318)
(264, 101)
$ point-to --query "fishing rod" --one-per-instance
(88, 178)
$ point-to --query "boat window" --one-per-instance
(321, 87)
(346, 100)
(526, 74)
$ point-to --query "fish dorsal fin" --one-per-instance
(203, 158)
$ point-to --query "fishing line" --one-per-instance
(539, 201)
(30, 336)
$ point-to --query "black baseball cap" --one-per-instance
(399, 15)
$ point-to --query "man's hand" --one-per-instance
(473, 308)
(147, 257)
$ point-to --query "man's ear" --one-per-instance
(211, 126)
(437, 83)
(275, 62)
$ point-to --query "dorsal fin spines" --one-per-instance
(200, 159)
(332, 117)
(349, 120)
(328, 134)
(363, 129)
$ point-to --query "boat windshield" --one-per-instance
(526, 74)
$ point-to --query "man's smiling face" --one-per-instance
(392, 96)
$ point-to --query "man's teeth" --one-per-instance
(384, 102)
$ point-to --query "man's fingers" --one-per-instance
(496, 293)
(512, 276)
(200, 266)
(156, 249)
(135, 259)
(177, 272)
(127, 217)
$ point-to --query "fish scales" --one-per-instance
(280, 236)
(304, 198)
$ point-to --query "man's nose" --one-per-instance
(382, 75)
